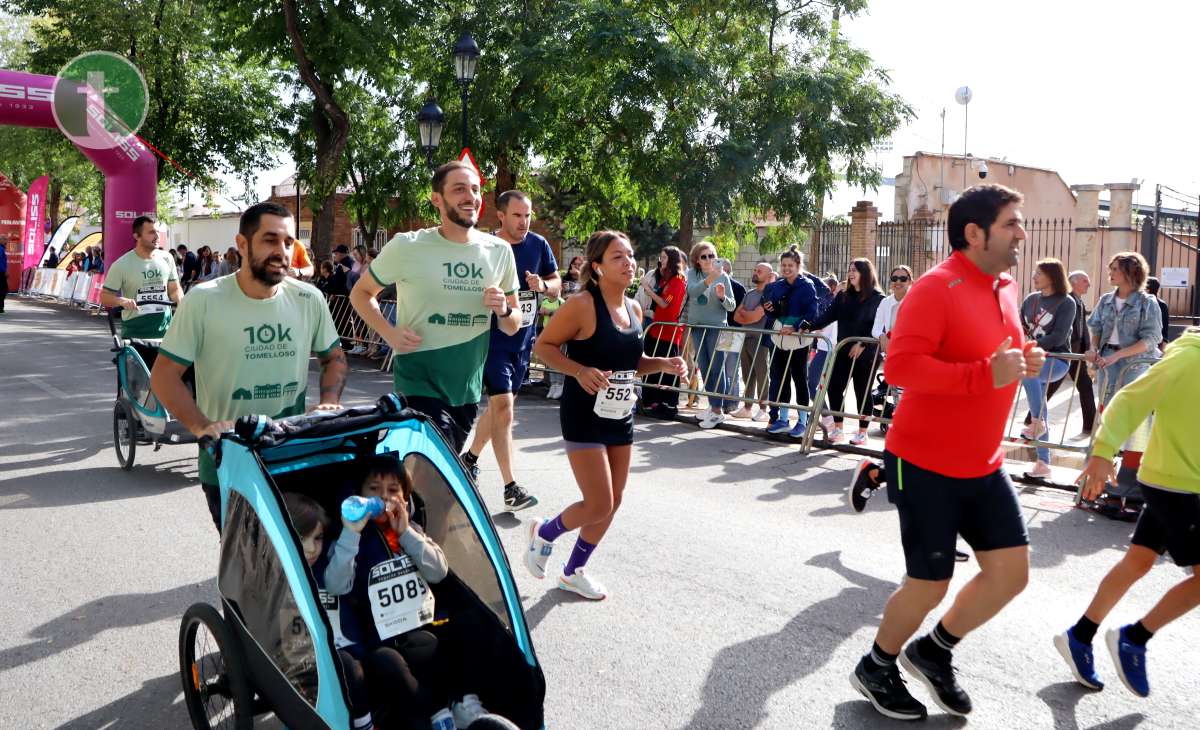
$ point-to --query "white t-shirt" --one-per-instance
(1115, 338)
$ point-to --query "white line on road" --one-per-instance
(45, 387)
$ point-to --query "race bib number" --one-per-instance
(729, 341)
(332, 605)
(152, 300)
(400, 599)
(528, 303)
(617, 400)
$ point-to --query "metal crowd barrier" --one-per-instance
(351, 328)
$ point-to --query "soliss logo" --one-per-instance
(15, 91)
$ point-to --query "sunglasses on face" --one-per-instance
(899, 279)
(706, 256)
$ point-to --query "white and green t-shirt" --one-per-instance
(439, 294)
(251, 355)
(145, 282)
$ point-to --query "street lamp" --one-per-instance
(466, 54)
(430, 121)
(963, 96)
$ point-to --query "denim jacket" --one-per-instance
(1139, 320)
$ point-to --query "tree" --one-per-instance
(208, 111)
(333, 50)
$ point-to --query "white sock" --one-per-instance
(363, 723)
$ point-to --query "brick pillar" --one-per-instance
(1120, 216)
(920, 232)
(864, 230)
(1087, 253)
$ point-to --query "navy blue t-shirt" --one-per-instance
(532, 254)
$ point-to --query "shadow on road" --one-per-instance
(89, 486)
(158, 704)
(744, 676)
(1062, 699)
(861, 715)
(111, 612)
(550, 600)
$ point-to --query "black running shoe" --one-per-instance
(861, 486)
(472, 466)
(884, 689)
(938, 678)
(516, 498)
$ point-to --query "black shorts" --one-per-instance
(1170, 522)
(504, 371)
(935, 509)
(454, 422)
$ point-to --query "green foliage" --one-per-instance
(648, 237)
(779, 238)
(209, 111)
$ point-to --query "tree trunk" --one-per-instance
(687, 223)
(55, 201)
(332, 130)
(506, 177)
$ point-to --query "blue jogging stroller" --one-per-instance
(270, 647)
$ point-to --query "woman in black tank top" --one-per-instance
(601, 329)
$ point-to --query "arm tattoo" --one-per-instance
(333, 374)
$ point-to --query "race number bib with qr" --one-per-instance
(400, 599)
(332, 605)
(152, 299)
(617, 400)
(528, 303)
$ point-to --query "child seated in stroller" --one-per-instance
(376, 576)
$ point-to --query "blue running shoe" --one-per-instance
(1078, 657)
(801, 427)
(779, 425)
(1130, 660)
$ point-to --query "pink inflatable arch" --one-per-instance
(130, 171)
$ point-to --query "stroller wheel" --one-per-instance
(213, 670)
(125, 430)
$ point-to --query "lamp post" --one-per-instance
(430, 121)
(466, 54)
(963, 96)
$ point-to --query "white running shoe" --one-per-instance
(583, 584)
(859, 438)
(357, 350)
(1040, 470)
(743, 412)
(712, 419)
(539, 551)
(1034, 430)
(761, 417)
(834, 435)
(467, 711)
(442, 720)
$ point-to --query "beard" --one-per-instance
(457, 218)
(260, 272)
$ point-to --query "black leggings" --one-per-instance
(844, 368)
(788, 368)
(356, 685)
(393, 685)
(655, 396)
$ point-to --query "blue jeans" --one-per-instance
(712, 367)
(1035, 390)
(814, 371)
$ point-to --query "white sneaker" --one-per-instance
(834, 435)
(1040, 470)
(467, 711)
(583, 584)
(743, 412)
(712, 419)
(858, 439)
(442, 720)
(539, 551)
(1034, 430)
(556, 391)
(357, 350)
(827, 423)
(761, 417)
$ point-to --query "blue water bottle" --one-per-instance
(356, 508)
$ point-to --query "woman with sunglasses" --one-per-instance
(710, 300)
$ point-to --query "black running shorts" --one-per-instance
(1170, 522)
(936, 509)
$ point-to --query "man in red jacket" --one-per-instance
(956, 351)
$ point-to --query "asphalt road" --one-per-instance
(743, 590)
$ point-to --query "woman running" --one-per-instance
(602, 329)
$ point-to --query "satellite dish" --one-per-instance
(963, 95)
